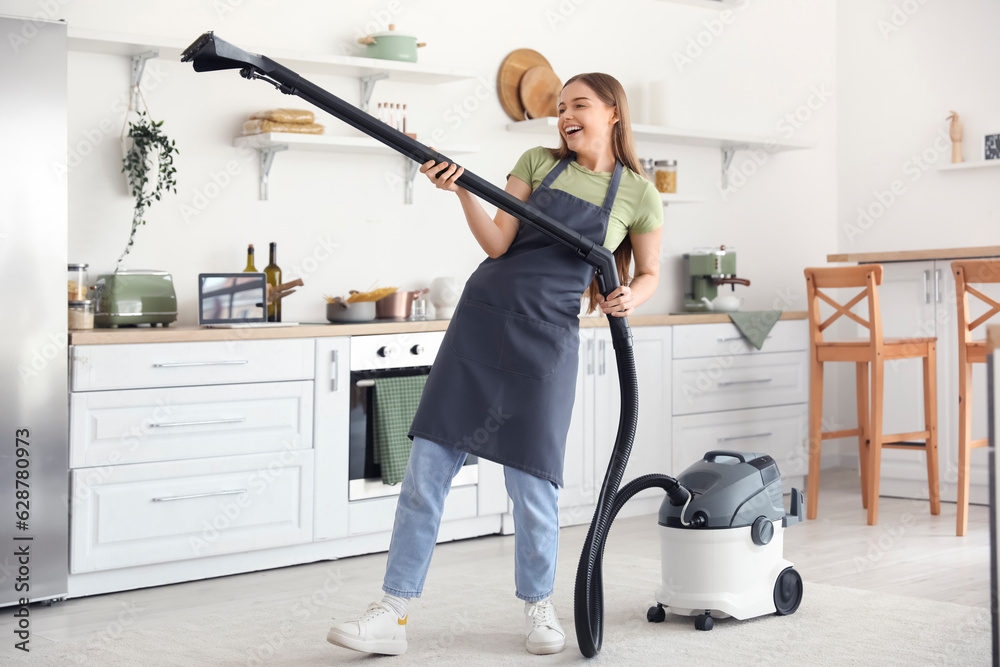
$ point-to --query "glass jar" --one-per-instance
(76, 282)
(81, 314)
(666, 176)
(648, 166)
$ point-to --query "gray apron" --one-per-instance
(504, 381)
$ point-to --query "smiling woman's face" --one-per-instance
(585, 121)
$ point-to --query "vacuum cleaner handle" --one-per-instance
(715, 453)
(210, 53)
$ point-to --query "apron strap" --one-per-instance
(554, 172)
(616, 177)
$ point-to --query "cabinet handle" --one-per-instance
(333, 372)
(178, 364)
(600, 357)
(590, 357)
(238, 420)
(937, 285)
(743, 437)
(927, 294)
(732, 338)
(760, 381)
(228, 492)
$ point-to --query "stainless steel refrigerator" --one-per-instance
(34, 478)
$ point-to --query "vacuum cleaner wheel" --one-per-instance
(787, 592)
(656, 614)
(704, 621)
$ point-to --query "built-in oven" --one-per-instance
(383, 356)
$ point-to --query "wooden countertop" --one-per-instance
(187, 334)
(917, 255)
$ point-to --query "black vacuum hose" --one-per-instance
(589, 594)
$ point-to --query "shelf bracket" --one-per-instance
(728, 152)
(368, 87)
(266, 157)
(411, 173)
(139, 66)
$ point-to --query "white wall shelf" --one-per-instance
(975, 164)
(671, 198)
(727, 142)
(709, 4)
(369, 70)
(270, 143)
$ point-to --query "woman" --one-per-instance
(503, 384)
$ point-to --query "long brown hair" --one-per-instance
(609, 91)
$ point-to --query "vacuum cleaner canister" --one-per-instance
(722, 549)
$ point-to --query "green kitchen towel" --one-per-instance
(396, 401)
(755, 324)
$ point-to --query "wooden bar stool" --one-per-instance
(970, 352)
(867, 354)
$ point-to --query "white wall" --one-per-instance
(902, 66)
(765, 62)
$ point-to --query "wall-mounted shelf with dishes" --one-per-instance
(727, 142)
(270, 143)
(368, 70)
(975, 164)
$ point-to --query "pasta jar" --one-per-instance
(76, 282)
(666, 176)
(81, 314)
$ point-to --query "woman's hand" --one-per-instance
(446, 181)
(619, 303)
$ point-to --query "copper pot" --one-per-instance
(397, 305)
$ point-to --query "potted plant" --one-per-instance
(148, 164)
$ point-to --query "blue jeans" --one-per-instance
(418, 516)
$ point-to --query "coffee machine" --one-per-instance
(707, 268)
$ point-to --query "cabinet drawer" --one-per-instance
(781, 432)
(159, 512)
(710, 384)
(144, 425)
(376, 515)
(711, 340)
(97, 367)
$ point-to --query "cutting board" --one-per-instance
(512, 69)
(539, 92)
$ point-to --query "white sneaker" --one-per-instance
(379, 630)
(541, 625)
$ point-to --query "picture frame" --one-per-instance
(991, 147)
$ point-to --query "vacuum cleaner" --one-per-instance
(722, 519)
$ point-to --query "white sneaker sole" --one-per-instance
(538, 648)
(384, 647)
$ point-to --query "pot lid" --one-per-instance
(509, 76)
(391, 32)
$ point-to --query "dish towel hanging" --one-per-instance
(396, 401)
(755, 324)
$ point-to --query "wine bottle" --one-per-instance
(250, 267)
(273, 273)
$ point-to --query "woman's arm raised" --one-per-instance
(496, 235)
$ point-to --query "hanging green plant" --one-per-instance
(148, 163)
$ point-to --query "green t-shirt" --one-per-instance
(637, 208)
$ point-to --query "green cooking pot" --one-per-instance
(391, 45)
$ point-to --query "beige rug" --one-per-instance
(477, 623)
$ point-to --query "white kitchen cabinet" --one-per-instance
(331, 439)
(918, 299)
(728, 395)
(128, 515)
(594, 425)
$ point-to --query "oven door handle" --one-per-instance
(365, 383)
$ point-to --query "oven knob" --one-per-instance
(384, 351)
(417, 349)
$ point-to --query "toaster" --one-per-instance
(128, 298)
